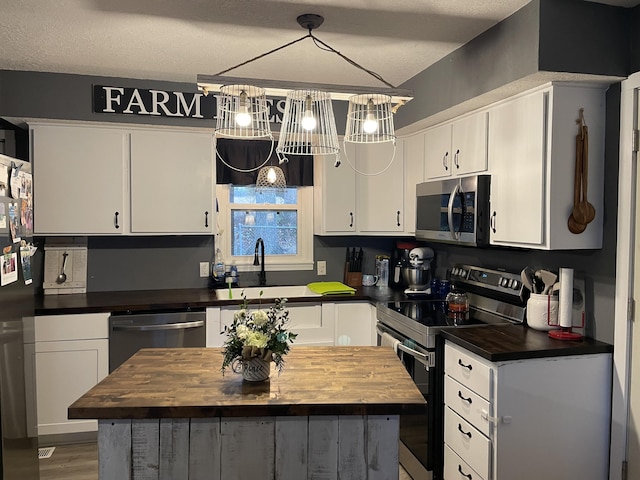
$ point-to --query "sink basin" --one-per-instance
(288, 291)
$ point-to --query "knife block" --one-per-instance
(352, 279)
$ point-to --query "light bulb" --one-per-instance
(370, 124)
(308, 121)
(243, 119)
(271, 175)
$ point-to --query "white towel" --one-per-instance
(387, 340)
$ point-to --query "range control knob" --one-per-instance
(504, 282)
(515, 285)
(454, 271)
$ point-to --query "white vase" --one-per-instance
(255, 369)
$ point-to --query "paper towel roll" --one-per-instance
(565, 307)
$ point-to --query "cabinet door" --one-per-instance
(437, 154)
(334, 195)
(380, 196)
(517, 163)
(414, 174)
(304, 319)
(78, 180)
(469, 144)
(172, 182)
(64, 372)
(355, 323)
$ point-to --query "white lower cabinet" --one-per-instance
(70, 355)
(340, 323)
(305, 319)
(355, 322)
(526, 419)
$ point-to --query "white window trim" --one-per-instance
(302, 261)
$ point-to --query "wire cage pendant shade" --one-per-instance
(370, 119)
(271, 177)
(242, 112)
(308, 125)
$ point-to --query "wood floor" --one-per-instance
(80, 462)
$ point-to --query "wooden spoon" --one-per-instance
(588, 209)
(573, 224)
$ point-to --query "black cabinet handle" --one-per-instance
(206, 219)
(398, 217)
(468, 434)
(351, 216)
(468, 475)
(470, 367)
(116, 220)
(456, 158)
(468, 400)
(492, 222)
(445, 161)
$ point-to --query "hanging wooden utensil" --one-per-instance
(574, 225)
(589, 210)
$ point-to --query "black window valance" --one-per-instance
(248, 154)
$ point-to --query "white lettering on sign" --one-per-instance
(182, 103)
(110, 99)
(136, 100)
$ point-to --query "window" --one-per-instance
(282, 218)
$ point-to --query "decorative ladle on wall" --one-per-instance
(63, 276)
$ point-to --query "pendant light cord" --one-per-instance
(353, 167)
(317, 42)
(246, 170)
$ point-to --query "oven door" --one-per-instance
(418, 433)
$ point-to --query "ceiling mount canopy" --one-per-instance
(308, 126)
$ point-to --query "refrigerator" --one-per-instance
(19, 444)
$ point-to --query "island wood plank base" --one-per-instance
(333, 413)
(282, 448)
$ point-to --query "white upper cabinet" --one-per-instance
(414, 173)
(457, 148)
(370, 202)
(171, 182)
(79, 179)
(532, 159)
(380, 188)
(334, 197)
(114, 180)
(516, 149)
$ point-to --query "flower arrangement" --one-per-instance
(258, 333)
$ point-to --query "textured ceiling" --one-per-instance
(176, 40)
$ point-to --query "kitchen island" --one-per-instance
(333, 412)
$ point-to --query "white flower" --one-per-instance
(240, 314)
(260, 317)
(242, 331)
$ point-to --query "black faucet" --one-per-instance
(262, 275)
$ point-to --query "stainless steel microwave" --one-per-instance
(454, 211)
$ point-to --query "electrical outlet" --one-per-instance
(322, 267)
(204, 269)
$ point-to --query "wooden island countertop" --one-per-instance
(188, 383)
(333, 412)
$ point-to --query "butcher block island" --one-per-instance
(333, 412)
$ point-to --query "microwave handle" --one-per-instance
(456, 191)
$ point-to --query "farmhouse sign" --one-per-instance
(161, 103)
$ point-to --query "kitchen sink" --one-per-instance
(286, 291)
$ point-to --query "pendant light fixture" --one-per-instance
(271, 177)
(308, 125)
(243, 113)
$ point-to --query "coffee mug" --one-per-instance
(369, 280)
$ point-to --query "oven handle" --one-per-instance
(428, 359)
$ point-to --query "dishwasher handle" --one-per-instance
(164, 326)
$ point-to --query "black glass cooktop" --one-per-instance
(431, 313)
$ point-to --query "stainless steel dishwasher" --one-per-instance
(129, 332)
